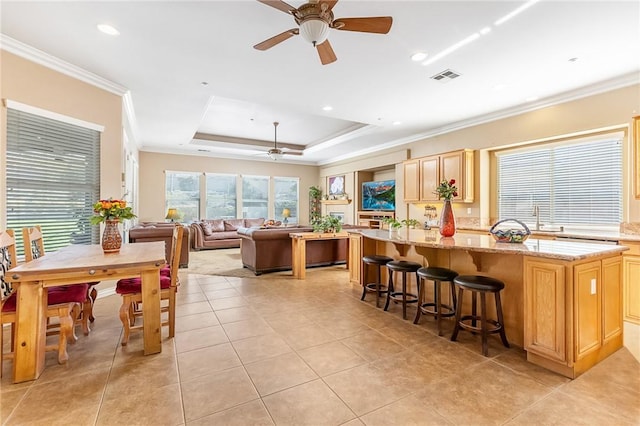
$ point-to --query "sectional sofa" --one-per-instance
(219, 233)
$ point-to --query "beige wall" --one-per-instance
(35, 85)
(152, 178)
(606, 110)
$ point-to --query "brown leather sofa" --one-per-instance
(269, 249)
(161, 231)
(219, 233)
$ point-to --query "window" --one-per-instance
(183, 193)
(53, 178)
(255, 196)
(221, 196)
(575, 183)
(286, 197)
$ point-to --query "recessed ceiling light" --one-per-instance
(204, 83)
(327, 108)
(417, 57)
(573, 59)
(397, 123)
(108, 29)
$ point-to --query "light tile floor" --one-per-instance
(273, 350)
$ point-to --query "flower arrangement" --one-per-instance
(447, 189)
(111, 210)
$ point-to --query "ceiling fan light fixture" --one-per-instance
(275, 154)
(315, 31)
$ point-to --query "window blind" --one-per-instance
(579, 183)
(53, 178)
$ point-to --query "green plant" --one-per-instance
(410, 223)
(315, 192)
(328, 224)
(392, 223)
(111, 210)
(447, 189)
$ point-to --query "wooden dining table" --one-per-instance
(78, 264)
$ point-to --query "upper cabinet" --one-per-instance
(423, 175)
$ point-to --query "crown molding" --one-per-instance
(38, 56)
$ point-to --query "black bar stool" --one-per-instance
(478, 284)
(435, 308)
(403, 297)
(374, 287)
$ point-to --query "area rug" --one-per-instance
(226, 262)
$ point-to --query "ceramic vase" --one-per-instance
(111, 238)
(447, 220)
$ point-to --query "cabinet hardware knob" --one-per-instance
(92, 272)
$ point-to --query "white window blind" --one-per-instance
(578, 183)
(53, 178)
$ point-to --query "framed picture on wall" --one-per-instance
(336, 185)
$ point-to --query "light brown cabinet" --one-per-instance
(373, 218)
(631, 280)
(423, 175)
(593, 292)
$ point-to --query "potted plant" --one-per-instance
(393, 224)
(328, 224)
(315, 195)
(410, 223)
(111, 212)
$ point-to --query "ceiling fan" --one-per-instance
(314, 20)
(276, 153)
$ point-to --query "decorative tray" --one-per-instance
(503, 234)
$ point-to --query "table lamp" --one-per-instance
(286, 213)
(173, 215)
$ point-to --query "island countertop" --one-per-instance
(550, 249)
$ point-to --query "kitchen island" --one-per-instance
(562, 300)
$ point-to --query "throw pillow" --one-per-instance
(206, 228)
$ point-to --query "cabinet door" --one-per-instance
(411, 170)
(355, 258)
(631, 271)
(458, 165)
(429, 178)
(611, 298)
(587, 289)
(544, 300)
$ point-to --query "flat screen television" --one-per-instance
(379, 195)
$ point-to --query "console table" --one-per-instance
(299, 248)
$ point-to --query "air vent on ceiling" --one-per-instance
(445, 76)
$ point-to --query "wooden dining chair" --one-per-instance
(34, 248)
(63, 303)
(131, 291)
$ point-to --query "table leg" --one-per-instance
(299, 253)
(151, 312)
(31, 324)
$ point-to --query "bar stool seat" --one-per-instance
(435, 308)
(482, 285)
(404, 267)
(376, 286)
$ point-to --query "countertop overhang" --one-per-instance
(550, 249)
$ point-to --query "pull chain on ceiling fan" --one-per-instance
(314, 20)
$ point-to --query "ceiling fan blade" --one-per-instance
(329, 3)
(270, 42)
(379, 24)
(280, 5)
(326, 53)
(293, 153)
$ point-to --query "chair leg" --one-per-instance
(483, 323)
(172, 313)
(124, 318)
(67, 333)
(404, 295)
(85, 315)
(365, 276)
(456, 328)
(390, 290)
(93, 295)
(436, 291)
(421, 285)
(503, 334)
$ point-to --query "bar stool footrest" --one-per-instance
(450, 311)
(495, 329)
(371, 287)
(397, 297)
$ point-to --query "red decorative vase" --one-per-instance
(447, 220)
(111, 238)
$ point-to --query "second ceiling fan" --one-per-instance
(314, 20)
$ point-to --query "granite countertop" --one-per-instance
(596, 235)
(551, 249)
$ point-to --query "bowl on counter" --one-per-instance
(502, 232)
